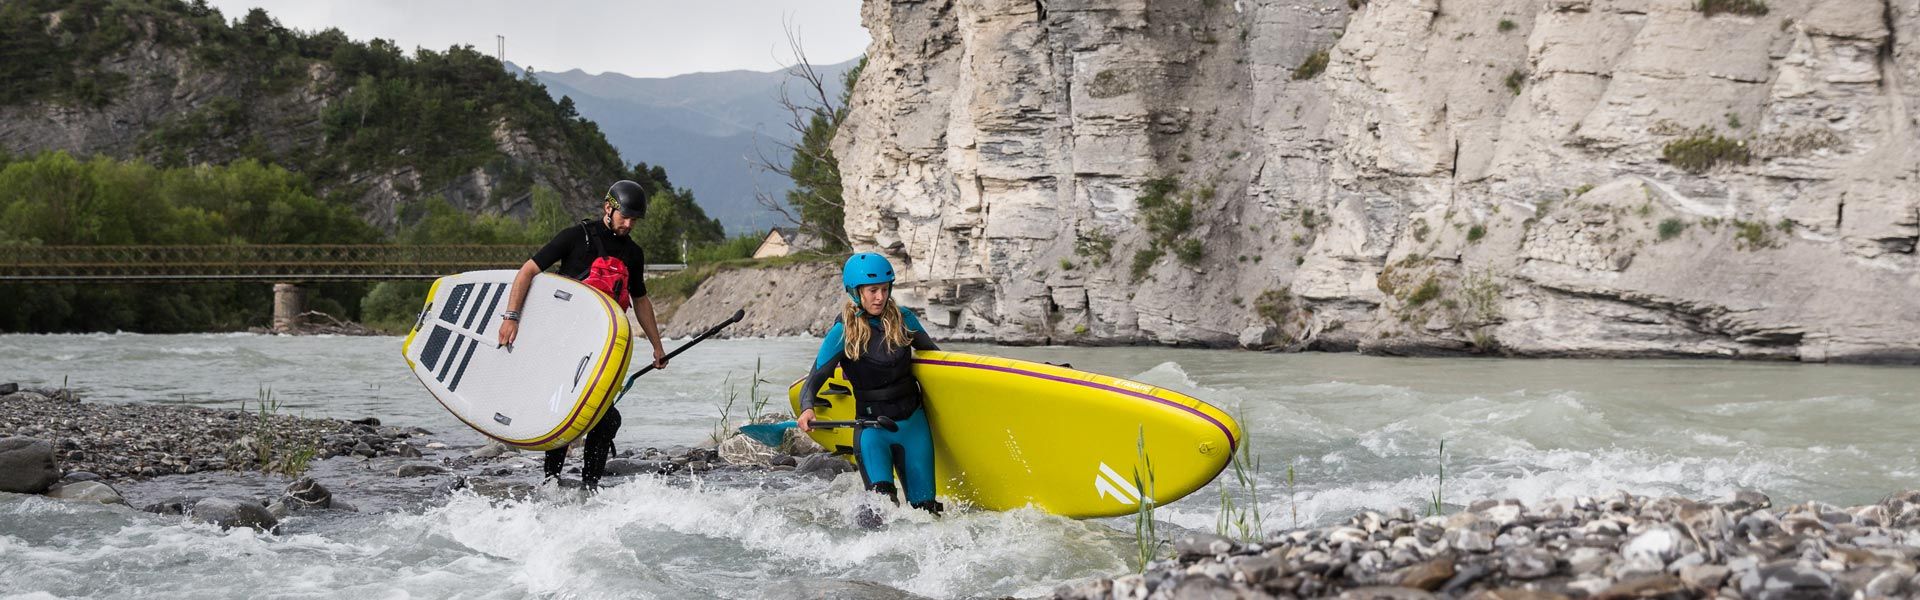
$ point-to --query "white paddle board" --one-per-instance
(555, 382)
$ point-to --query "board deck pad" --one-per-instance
(1011, 433)
(552, 386)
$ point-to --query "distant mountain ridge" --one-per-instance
(707, 129)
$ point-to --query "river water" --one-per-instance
(1357, 432)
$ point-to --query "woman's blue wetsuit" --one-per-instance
(883, 385)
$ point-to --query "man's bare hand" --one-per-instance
(508, 331)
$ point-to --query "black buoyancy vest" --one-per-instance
(883, 383)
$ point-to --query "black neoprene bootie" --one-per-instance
(886, 488)
(931, 506)
(556, 459)
(596, 465)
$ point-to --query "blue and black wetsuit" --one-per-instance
(883, 385)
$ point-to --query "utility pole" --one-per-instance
(501, 53)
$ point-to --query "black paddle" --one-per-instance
(737, 315)
(770, 434)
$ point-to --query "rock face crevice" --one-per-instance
(1530, 177)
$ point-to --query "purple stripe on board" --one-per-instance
(1231, 443)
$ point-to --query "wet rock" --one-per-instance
(628, 466)
(1203, 544)
(1659, 543)
(1429, 575)
(9, 388)
(1464, 575)
(1528, 563)
(25, 397)
(743, 450)
(784, 460)
(1386, 593)
(234, 512)
(824, 464)
(1654, 587)
(1789, 580)
(1746, 501)
(1257, 569)
(1515, 594)
(493, 450)
(307, 493)
(87, 491)
(419, 469)
(26, 465)
(364, 449)
(407, 451)
(79, 476)
(1706, 577)
(1890, 584)
(368, 421)
(170, 506)
(1469, 540)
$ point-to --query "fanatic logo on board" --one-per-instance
(1111, 485)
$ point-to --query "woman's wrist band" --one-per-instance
(511, 315)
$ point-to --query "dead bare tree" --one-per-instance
(813, 101)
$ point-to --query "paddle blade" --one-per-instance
(768, 434)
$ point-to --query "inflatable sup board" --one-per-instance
(556, 381)
(1011, 433)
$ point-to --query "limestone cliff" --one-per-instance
(1531, 177)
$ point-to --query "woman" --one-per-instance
(873, 346)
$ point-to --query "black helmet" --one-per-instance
(629, 197)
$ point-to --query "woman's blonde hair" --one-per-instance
(858, 332)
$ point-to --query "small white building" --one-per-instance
(782, 241)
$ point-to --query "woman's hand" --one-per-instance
(805, 420)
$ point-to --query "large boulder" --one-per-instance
(26, 465)
(235, 512)
(307, 493)
(826, 465)
(87, 491)
(743, 450)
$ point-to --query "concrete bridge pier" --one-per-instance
(289, 301)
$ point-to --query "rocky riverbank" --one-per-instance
(181, 460)
(252, 468)
(1615, 547)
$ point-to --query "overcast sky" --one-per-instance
(642, 38)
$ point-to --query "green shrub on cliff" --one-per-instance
(1738, 7)
(1312, 66)
(1700, 152)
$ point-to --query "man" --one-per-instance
(602, 254)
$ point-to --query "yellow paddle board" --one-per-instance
(1011, 433)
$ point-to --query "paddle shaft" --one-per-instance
(881, 422)
(737, 315)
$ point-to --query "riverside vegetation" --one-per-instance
(242, 168)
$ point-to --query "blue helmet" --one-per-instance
(865, 268)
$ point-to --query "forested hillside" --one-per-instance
(161, 122)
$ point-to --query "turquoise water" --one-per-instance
(1358, 432)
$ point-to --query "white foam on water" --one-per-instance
(1168, 375)
(560, 548)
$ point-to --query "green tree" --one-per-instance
(54, 199)
(816, 202)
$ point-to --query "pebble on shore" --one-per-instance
(1615, 547)
(124, 441)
